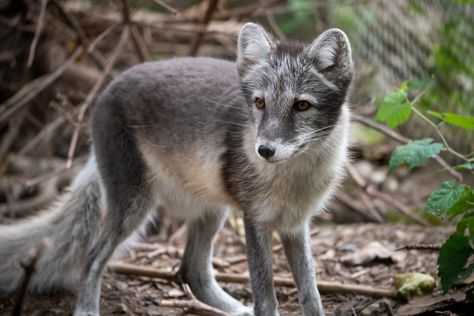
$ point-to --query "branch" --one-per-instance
(197, 40)
(401, 139)
(76, 26)
(93, 93)
(373, 192)
(193, 306)
(34, 87)
(323, 286)
(439, 133)
(39, 28)
(167, 7)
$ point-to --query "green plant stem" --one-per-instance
(417, 112)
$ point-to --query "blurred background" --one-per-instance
(56, 56)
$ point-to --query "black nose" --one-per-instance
(266, 151)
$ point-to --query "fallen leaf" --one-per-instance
(374, 251)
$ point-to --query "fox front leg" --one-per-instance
(259, 253)
(297, 248)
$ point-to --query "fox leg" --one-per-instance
(128, 199)
(259, 253)
(297, 246)
(196, 266)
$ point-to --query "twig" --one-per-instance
(76, 26)
(29, 269)
(193, 306)
(93, 93)
(401, 139)
(139, 44)
(349, 201)
(273, 23)
(34, 87)
(9, 137)
(430, 247)
(373, 192)
(167, 7)
(44, 177)
(396, 204)
(323, 286)
(197, 40)
(45, 133)
(17, 209)
(439, 134)
(39, 28)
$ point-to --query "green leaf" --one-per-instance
(455, 119)
(453, 256)
(465, 166)
(415, 153)
(395, 109)
(450, 199)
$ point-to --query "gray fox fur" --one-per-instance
(266, 135)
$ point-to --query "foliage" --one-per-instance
(451, 200)
(395, 109)
(415, 153)
(454, 119)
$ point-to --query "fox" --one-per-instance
(266, 135)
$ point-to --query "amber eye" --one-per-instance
(259, 103)
(302, 105)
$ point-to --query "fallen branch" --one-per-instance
(192, 306)
(373, 192)
(323, 286)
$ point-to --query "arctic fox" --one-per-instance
(266, 135)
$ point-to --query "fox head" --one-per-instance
(294, 92)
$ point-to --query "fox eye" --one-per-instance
(259, 103)
(302, 105)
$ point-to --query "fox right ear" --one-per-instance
(253, 45)
(331, 54)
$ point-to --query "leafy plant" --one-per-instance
(452, 200)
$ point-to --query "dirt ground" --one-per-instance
(127, 295)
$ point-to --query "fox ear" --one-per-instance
(331, 53)
(253, 45)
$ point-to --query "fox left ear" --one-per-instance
(331, 53)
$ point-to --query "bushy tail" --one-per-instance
(68, 229)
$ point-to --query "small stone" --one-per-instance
(122, 286)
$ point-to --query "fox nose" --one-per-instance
(266, 151)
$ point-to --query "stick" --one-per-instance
(81, 35)
(39, 28)
(34, 87)
(197, 40)
(167, 7)
(93, 93)
(396, 204)
(323, 286)
(193, 306)
(373, 192)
